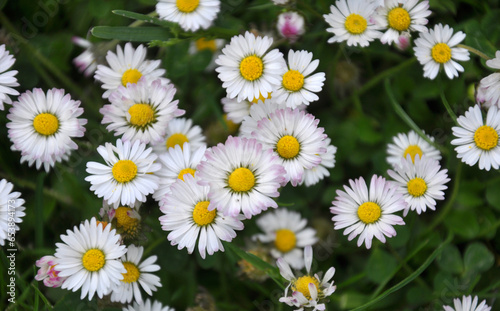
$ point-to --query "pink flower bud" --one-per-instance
(290, 25)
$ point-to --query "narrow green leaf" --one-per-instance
(139, 34)
(145, 18)
(38, 293)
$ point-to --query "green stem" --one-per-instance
(39, 210)
(447, 106)
(475, 51)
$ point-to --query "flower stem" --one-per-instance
(475, 51)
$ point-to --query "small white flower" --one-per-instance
(291, 25)
(7, 78)
(86, 61)
(147, 306)
(467, 304)
(489, 87)
(313, 175)
(48, 273)
(258, 111)
(191, 15)
(11, 212)
(410, 144)
(178, 132)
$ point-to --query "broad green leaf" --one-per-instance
(352, 299)
(463, 223)
(418, 295)
(478, 258)
(450, 260)
(493, 195)
(380, 265)
(139, 34)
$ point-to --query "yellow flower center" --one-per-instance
(285, 240)
(124, 221)
(185, 171)
(293, 80)
(261, 97)
(93, 260)
(132, 274)
(124, 171)
(241, 180)
(251, 67)
(486, 137)
(176, 139)
(399, 19)
(187, 6)
(441, 53)
(46, 124)
(417, 187)
(288, 147)
(203, 44)
(369, 212)
(141, 115)
(201, 215)
(355, 24)
(131, 76)
(302, 285)
(413, 150)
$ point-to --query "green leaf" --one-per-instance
(380, 265)
(145, 18)
(463, 223)
(139, 34)
(450, 260)
(478, 258)
(493, 195)
(351, 299)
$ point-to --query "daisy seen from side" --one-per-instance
(191, 15)
(147, 306)
(48, 272)
(180, 131)
(410, 144)
(313, 175)
(489, 87)
(11, 213)
(85, 62)
(8, 78)
(467, 304)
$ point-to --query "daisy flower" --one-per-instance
(291, 25)
(489, 86)
(42, 126)
(85, 62)
(288, 233)
(258, 111)
(368, 212)
(298, 83)
(247, 69)
(191, 222)
(191, 15)
(127, 176)
(421, 182)
(400, 17)
(203, 44)
(48, 273)
(90, 259)
(7, 78)
(307, 290)
(11, 213)
(236, 110)
(410, 144)
(180, 131)
(137, 274)
(477, 140)
(438, 48)
(127, 66)
(350, 21)
(467, 304)
(313, 175)
(147, 306)
(295, 137)
(177, 162)
(141, 111)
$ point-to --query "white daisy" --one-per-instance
(288, 233)
(438, 48)
(177, 162)
(42, 126)
(296, 139)
(141, 111)
(236, 110)
(368, 212)
(477, 140)
(350, 21)
(147, 306)
(191, 15)
(410, 144)
(180, 131)
(127, 175)
(489, 86)
(258, 111)
(127, 66)
(313, 175)
(421, 182)
(86, 62)
(90, 258)
(189, 220)
(7, 78)
(298, 83)
(307, 290)
(137, 274)
(11, 213)
(242, 175)
(467, 304)
(401, 17)
(247, 69)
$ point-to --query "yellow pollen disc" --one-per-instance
(176, 139)
(251, 67)
(201, 215)
(46, 124)
(288, 147)
(124, 171)
(261, 97)
(302, 285)
(413, 150)
(441, 53)
(293, 80)
(369, 212)
(399, 19)
(486, 137)
(203, 44)
(141, 115)
(417, 187)
(184, 172)
(124, 221)
(187, 6)
(93, 260)
(285, 240)
(355, 24)
(241, 180)
(132, 274)
(131, 76)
